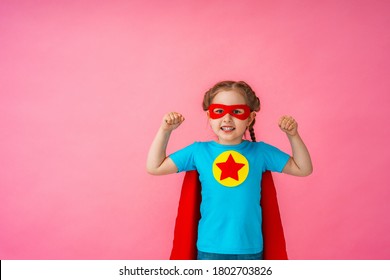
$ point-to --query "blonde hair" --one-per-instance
(250, 97)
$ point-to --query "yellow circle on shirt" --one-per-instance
(230, 169)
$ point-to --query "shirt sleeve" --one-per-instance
(275, 159)
(184, 159)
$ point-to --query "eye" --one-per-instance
(238, 111)
(218, 111)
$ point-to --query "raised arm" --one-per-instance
(300, 162)
(157, 161)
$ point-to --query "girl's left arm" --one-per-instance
(300, 162)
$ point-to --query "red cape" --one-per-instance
(186, 227)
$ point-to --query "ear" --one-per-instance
(208, 114)
(208, 117)
(251, 118)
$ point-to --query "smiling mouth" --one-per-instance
(227, 128)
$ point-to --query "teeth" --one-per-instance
(224, 128)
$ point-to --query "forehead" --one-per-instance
(229, 97)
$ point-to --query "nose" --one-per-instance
(227, 118)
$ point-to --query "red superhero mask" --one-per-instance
(240, 111)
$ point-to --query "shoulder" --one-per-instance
(264, 145)
(203, 144)
(195, 146)
(256, 145)
(265, 148)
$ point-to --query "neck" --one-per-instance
(224, 142)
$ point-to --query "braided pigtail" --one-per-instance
(252, 131)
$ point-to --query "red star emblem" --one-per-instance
(230, 168)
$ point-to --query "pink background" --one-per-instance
(84, 86)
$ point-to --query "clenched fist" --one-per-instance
(289, 125)
(172, 121)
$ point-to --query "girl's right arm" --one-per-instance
(157, 162)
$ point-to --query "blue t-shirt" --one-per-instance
(231, 178)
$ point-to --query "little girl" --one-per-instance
(230, 169)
